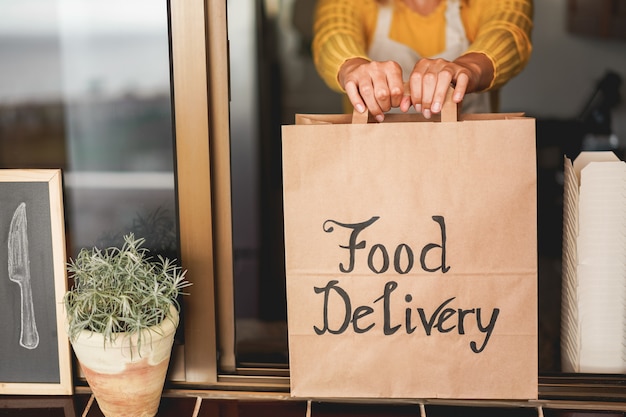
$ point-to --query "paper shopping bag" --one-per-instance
(411, 259)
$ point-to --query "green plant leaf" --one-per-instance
(120, 290)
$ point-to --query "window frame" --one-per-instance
(189, 69)
(201, 98)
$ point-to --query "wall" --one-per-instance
(564, 70)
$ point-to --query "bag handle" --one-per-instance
(449, 111)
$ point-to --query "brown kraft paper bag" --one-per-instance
(411, 256)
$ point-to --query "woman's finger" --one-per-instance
(353, 95)
(444, 78)
(460, 87)
(366, 90)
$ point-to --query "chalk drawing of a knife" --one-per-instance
(19, 272)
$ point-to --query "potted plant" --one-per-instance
(122, 312)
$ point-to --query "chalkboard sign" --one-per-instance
(34, 348)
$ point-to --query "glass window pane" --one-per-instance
(272, 79)
(86, 88)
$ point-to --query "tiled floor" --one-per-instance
(83, 405)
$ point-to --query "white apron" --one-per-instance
(383, 48)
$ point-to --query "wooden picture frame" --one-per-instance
(35, 349)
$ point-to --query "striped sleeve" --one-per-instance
(504, 35)
(339, 27)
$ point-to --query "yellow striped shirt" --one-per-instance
(500, 29)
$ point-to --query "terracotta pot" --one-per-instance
(127, 379)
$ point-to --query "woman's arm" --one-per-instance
(500, 50)
(340, 33)
(503, 34)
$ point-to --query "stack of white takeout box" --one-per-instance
(593, 313)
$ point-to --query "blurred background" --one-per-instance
(85, 87)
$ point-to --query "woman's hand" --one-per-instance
(431, 78)
(377, 86)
